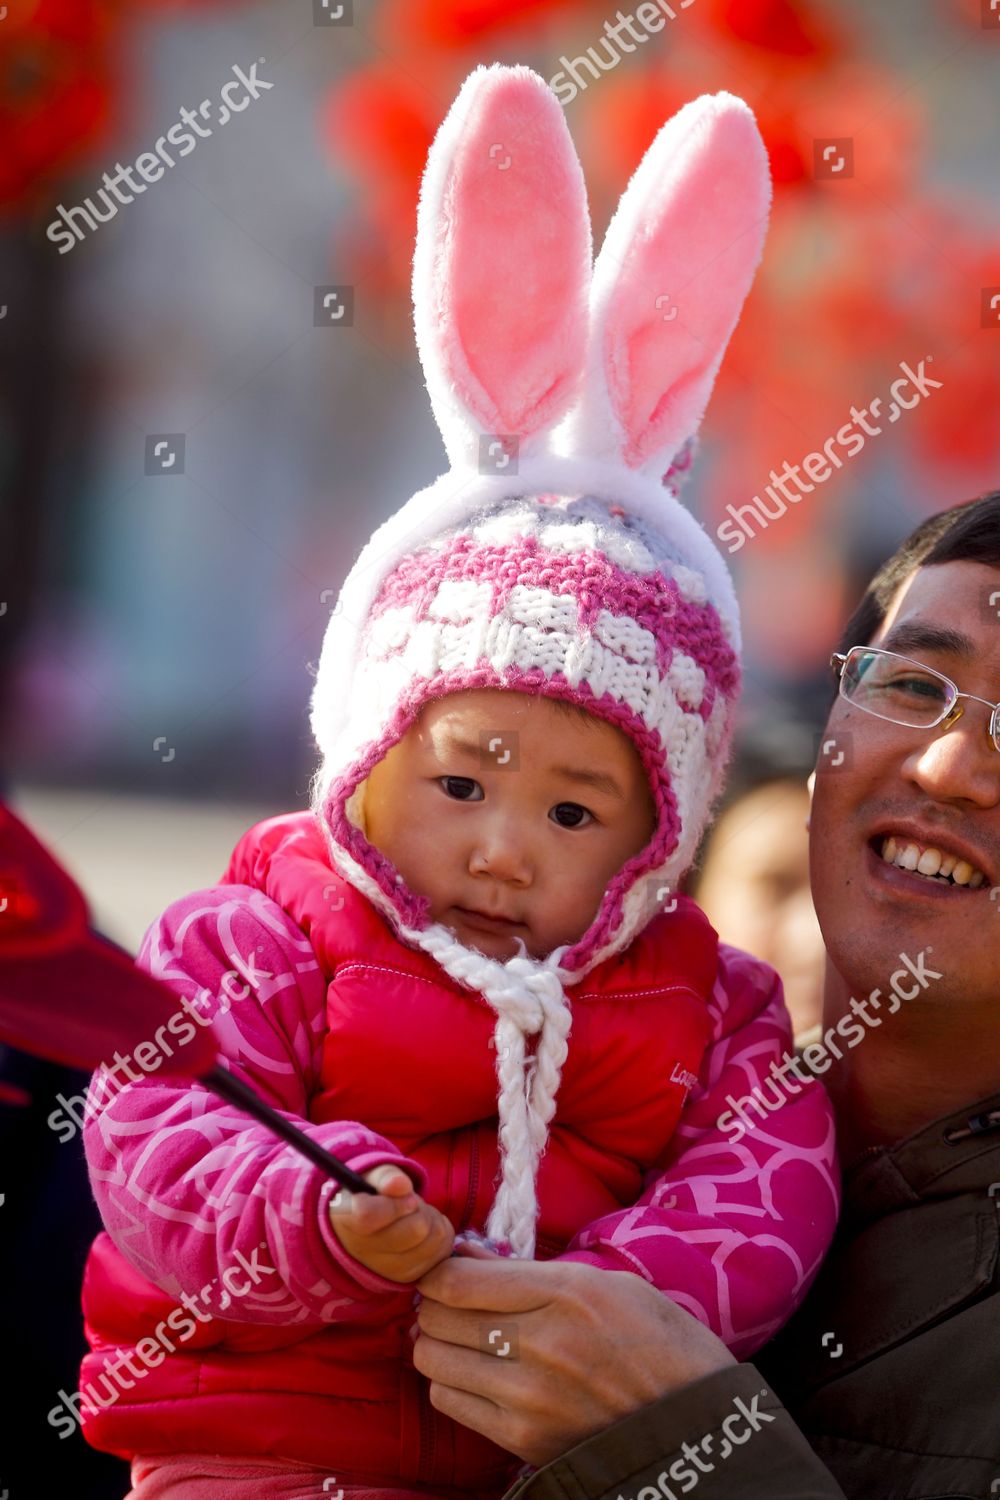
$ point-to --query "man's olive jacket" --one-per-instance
(885, 1384)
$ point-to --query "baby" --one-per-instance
(466, 970)
(531, 862)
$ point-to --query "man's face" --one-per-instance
(531, 833)
(935, 790)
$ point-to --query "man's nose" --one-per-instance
(501, 850)
(958, 763)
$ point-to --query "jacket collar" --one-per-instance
(890, 1272)
(957, 1153)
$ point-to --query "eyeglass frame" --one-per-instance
(838, 664)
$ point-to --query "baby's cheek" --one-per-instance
(572, 906)
(416, 840)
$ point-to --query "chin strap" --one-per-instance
(528, 997)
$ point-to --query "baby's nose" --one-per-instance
(503, 858)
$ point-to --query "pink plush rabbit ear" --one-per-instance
(501, 271)
(670, 281)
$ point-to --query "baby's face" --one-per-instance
(532, 837)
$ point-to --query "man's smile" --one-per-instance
(930, 854)
(893, 866)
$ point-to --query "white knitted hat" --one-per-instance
(554, 557)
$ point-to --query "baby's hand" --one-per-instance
(397, 1234)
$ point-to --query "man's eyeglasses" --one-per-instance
(904, 691)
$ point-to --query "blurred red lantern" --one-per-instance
(788, 28)
(954, 270)
(380, 126)
(627, 112)
(972, 11)
(60, 92)
(455, 23)
(57, 96)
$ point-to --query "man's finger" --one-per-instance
(471, 1411)
(497, 1284)
(451, 1325)
(475, 1371)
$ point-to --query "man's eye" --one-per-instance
(462, 788)
(570, 815)
(920, 687)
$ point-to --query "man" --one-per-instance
(886, 1383)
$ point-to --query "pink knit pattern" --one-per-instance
(653, 600)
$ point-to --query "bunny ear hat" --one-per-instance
(554, 556)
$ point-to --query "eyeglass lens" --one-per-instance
(895, 688)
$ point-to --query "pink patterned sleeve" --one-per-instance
(735, 1221)
(199, 1198)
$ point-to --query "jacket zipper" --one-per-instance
(473, 1181)
(428, 1416)
(425, 1458)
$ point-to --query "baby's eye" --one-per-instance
(462, 788)
(570, 815)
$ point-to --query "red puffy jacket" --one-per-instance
(346, 1025)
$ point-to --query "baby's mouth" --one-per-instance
(485, 921)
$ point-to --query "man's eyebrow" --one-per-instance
(915, 635)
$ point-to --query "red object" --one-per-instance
(60, 96)
(788, 28)
(57, 97)
(383, 124)
(380, 126)
(10, 1093)
(66, 993)
(456, 23)
(72, 996)
(256, 1387)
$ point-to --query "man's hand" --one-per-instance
(397, 1234)
(587, 1347)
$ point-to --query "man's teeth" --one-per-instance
(931, 862)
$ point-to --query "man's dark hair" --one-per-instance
(968, 533)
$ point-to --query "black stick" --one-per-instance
(235, 1091)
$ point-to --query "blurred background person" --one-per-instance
(752, 878)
